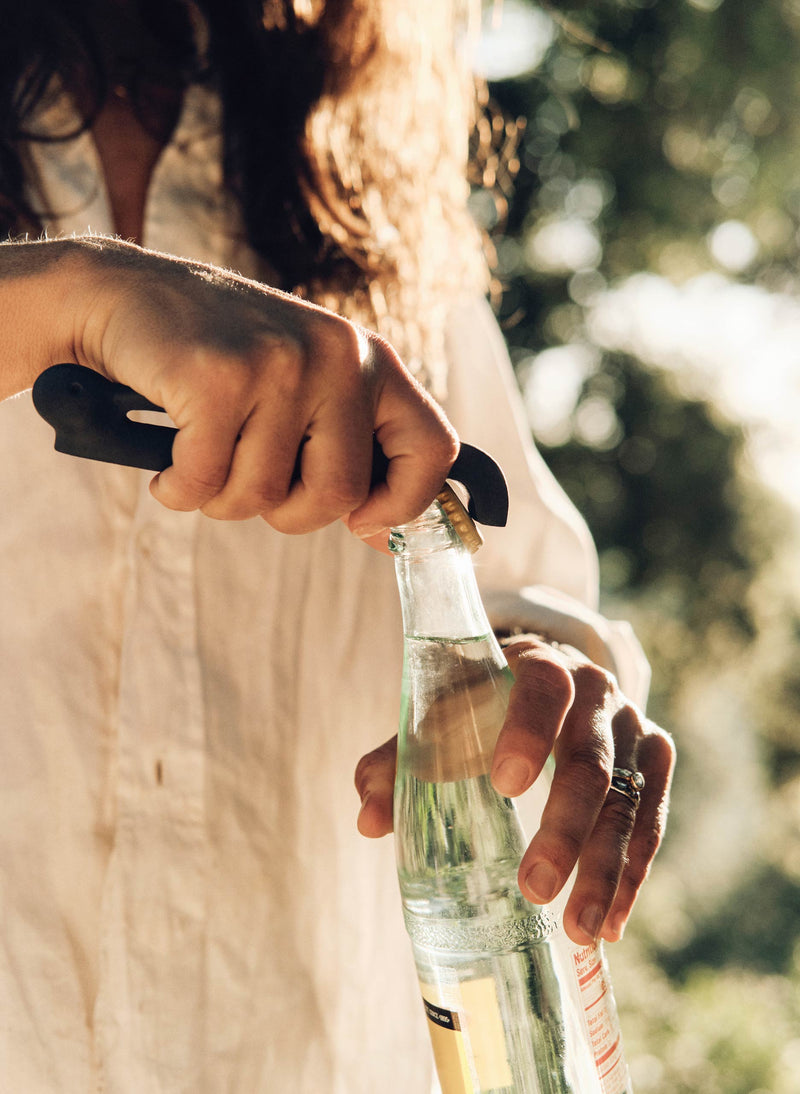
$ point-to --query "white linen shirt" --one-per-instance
(185, 902)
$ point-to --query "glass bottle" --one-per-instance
(500, 981)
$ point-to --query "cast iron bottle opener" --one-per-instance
(90, 415)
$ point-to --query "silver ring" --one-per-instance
(629, 783)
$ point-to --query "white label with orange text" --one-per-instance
(600, 1016)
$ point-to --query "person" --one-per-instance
(218, 204)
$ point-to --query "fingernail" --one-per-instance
(367, 531)
(541, 881)
(512, 776)
(591, 920)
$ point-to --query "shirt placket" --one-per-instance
(156, 946)
(161, 710)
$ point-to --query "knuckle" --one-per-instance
(268, 498)
(620, 813)
(374, 767)
(566, 851)
(342, 495)
(647, 849)
(628, 721)
(594, 682)
(560, 844)
(204, 486)
(590, 764)
(607, 876)
(245, 503)
(441, 439)
(334, 499)
(446, 444)
(545, 676)
(287, 370)
(337, 341)
(383, 355)
(635, 875)
(222, 377)
(365, 769)
(664, 753)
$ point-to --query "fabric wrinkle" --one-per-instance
(186, 903)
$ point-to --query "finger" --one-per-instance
(604, 855)
(260, 475)
(335, 469)
(583, 753)
(201, 458)
(418, 441)
(542, 694)
(656, 761)
(374, 781)
(304, 457)
(380, 542)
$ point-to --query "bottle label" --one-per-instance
(601, 1019)
(466, 1029)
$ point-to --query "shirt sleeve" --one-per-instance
(540, 572)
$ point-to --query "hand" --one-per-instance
(252, 378)
(564, 704)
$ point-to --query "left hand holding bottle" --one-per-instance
(563, 703)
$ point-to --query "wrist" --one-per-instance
(42, 286)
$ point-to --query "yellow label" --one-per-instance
(448, 1050)
(466, 1029)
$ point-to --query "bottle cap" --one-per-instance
(463, 524)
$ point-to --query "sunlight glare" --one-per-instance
(514, 39)
(734, 344)
(552, 382)
(733, 245)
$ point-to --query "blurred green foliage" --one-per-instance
(665, 137)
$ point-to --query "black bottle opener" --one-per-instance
(90, 415)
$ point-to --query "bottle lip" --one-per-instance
(463, 524)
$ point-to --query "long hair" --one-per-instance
(345, 140)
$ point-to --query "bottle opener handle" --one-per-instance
(90, 415)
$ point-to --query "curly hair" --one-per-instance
(346, 126)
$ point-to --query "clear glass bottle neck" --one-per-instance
(438, 590)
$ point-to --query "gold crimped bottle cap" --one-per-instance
(462, 522)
